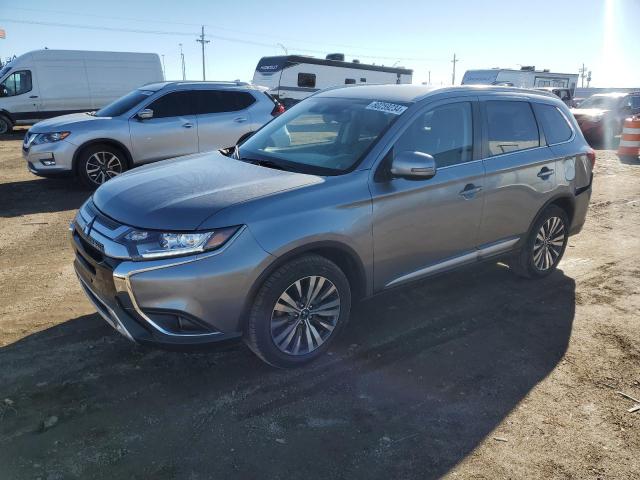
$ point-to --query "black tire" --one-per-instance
(528, 261)
(92, 156)
(261, 337)
(5, 125)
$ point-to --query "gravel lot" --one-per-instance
(474, 374)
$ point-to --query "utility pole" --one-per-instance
(583, 75)
(202, 41)
(164, 72)
(184, 76)
(588, 78)
(453, 76)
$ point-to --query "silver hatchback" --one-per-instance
(154, 122)
(352, 192)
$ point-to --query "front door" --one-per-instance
(172, 132)
(424, 226)
(20, 97)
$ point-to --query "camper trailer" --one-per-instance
(47, 83)
(294, 77)
(526, 77)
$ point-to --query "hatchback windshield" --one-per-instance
(598, 101)
(322, 135)
(123, 104)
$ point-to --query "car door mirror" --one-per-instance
(413, 165)
(145, 114)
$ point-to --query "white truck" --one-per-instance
(292, 78)
(47, 83)
(526, 77)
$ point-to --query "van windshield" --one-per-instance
(123, 104)
(322, 135)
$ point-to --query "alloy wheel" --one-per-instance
(305, 315)
(549, 242)
(102, 166)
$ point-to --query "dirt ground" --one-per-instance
(474, 374)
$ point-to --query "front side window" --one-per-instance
(325, 136)
(307, 80)
(554, 124)
(512, 127)
(16, 84)
(444, 132)
(175, 104)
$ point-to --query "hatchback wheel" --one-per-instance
(298, 311)
(99, 164)
(545, 244)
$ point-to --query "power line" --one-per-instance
(217, 37)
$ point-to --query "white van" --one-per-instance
(47, 83)
(292, 78)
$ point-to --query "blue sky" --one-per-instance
(422, 35)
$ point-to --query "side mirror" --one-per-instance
(413, 165)
(145, 114)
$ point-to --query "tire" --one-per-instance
(286, 334)
(99, 163)
(549, 234)
(5, 125)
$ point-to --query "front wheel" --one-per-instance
(544, 246)
(298, 311)
(5, 125)
(100, 163)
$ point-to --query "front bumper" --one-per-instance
(191, 300)
(49, 159)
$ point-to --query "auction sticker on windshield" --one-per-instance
(387, 107)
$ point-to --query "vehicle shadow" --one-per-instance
(629, 160)
(419, 378)
(40, 195)
(16, 134)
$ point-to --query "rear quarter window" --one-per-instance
(219, 101)
(554, 124)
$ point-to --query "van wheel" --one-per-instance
(298, 312)
(100, 163)
(5, 125)
(545, 245)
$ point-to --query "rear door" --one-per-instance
(223, 118)
(171, 132)
(520, 169)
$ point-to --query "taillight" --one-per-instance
(591, 155)
(277, 110)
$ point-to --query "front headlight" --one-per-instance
(49, 137)
(145, 244)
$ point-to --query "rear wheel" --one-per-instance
(100, 163)
(298, 311)
(545, 245)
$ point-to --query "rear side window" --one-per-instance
(307, 80)
(175, 104)
(219, 101)
(512, 127)
(349, 81)
(554, 124)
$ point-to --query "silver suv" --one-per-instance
(352, 192)
(154, 122)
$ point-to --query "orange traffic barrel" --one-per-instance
(630, 140)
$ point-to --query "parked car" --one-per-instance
(601, 116)
(378, 187)
(564, 94)
(154, 122)
(48, 83)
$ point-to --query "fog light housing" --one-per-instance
(48, 162)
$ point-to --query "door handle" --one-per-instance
(33, 96)
(470, 190)
(240, 119)
(545, 173)
(188, 125)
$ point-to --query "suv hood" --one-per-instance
(62, 122)
(588, 112)
(181, 193)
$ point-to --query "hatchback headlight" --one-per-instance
(49, 137)
(146, 244)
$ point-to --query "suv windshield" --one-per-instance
(123, 104)
(322, 135)
(600, 101)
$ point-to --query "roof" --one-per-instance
(198, 84)
(408, 93)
